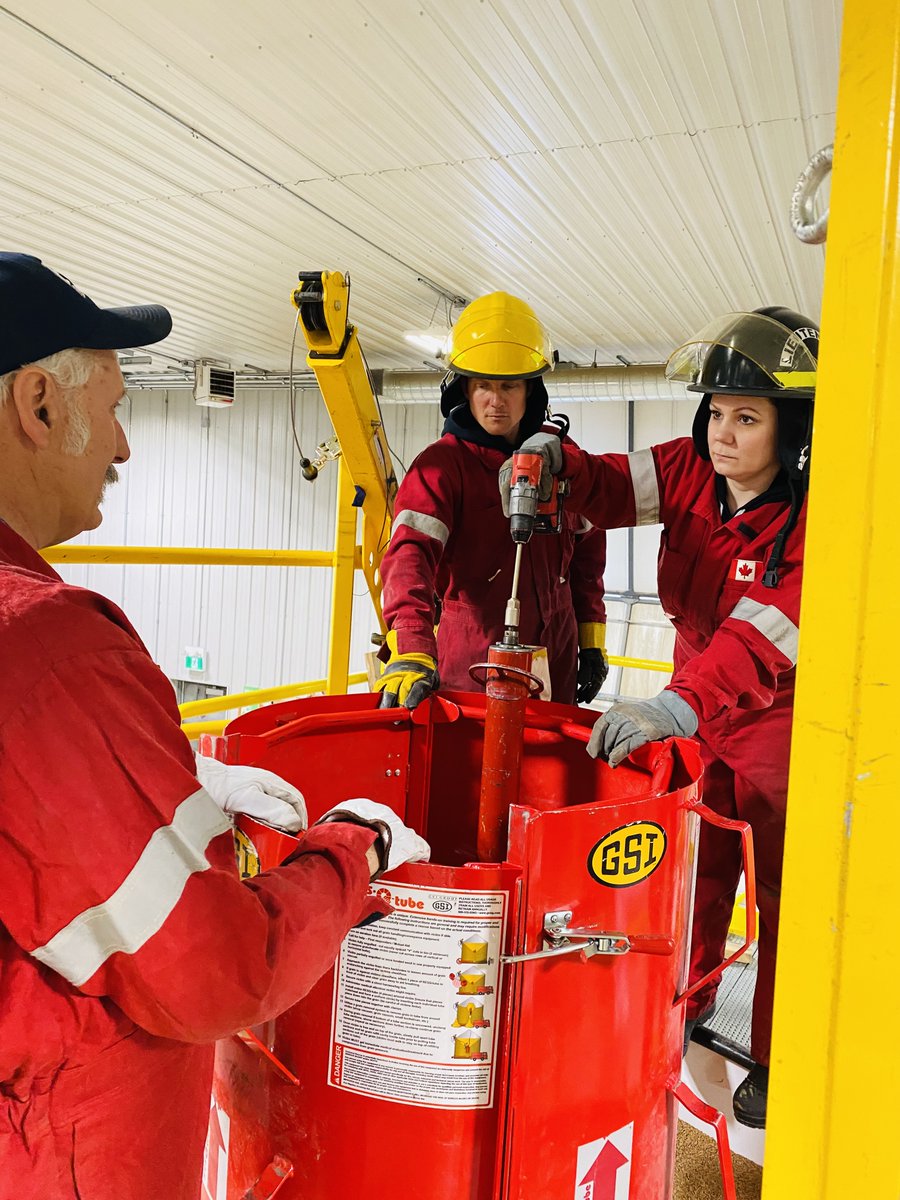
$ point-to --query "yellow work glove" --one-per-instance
(407, 679)
(592, 665)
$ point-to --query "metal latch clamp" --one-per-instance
(560, 939)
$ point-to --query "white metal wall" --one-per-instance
(229, 477)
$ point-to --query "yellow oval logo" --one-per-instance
(628, 855)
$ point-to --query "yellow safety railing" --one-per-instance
(194, 708)
(201, 556)
(345, 559)
(640, 664)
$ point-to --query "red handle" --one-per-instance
(248, 748)
(651, 943)
(712, 1116)
(548, 721)
(336, 720)
(743, 829)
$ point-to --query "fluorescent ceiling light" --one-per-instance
(431, 343)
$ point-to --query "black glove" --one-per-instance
(592, 672)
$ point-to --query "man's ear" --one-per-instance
(37, 399)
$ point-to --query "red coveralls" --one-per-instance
(451, 540)
(735, 654)
(127, 942)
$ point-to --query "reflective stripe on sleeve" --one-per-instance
(431, 526)
(144, 900)
(646, 487)
(771, 623)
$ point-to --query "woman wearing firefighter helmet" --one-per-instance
(732, 502)
(451, 555)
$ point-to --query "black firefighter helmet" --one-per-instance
(771, 352)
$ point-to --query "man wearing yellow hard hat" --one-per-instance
(450, 560)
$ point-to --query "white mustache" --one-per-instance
(111, 477)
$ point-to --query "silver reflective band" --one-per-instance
(430, 526)
(772, 624)
(646, 487)
(141, 904)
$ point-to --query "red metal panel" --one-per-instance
(345, 747)
(596, 1041)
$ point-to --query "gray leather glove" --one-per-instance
(549, 447)
(631, 723)
(400, 843)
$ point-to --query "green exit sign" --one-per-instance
(194, 657)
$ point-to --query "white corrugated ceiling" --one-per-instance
(626, 165)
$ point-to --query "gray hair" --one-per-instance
(70, 368)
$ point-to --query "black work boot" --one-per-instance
(751, 1096)
(691, 1024)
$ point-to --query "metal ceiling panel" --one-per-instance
(626, 165)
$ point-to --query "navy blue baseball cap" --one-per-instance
(42, 313)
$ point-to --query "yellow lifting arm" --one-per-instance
(322, 301)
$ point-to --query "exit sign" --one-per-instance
(194, 658)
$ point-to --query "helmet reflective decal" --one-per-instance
(795, 379)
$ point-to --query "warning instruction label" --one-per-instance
(416, 996)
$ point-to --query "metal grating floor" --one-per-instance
(728, 1032)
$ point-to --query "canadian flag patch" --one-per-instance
(745, 570)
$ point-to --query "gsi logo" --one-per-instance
(627, 855)
(442, 906)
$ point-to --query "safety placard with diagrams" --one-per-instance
(416, 998)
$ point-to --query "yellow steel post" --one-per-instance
(342, 588)
(835, 1094)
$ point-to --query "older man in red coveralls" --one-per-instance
(451, 553)
(128, 943)
(732, 502)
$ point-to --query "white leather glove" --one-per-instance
(631, 723)
(549, 447)
(401, 844)
(254, 792)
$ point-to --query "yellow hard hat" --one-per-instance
(498, 336)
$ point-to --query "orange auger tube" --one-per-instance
(508, 684)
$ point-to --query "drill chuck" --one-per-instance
(523, 502)
(521, 526)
